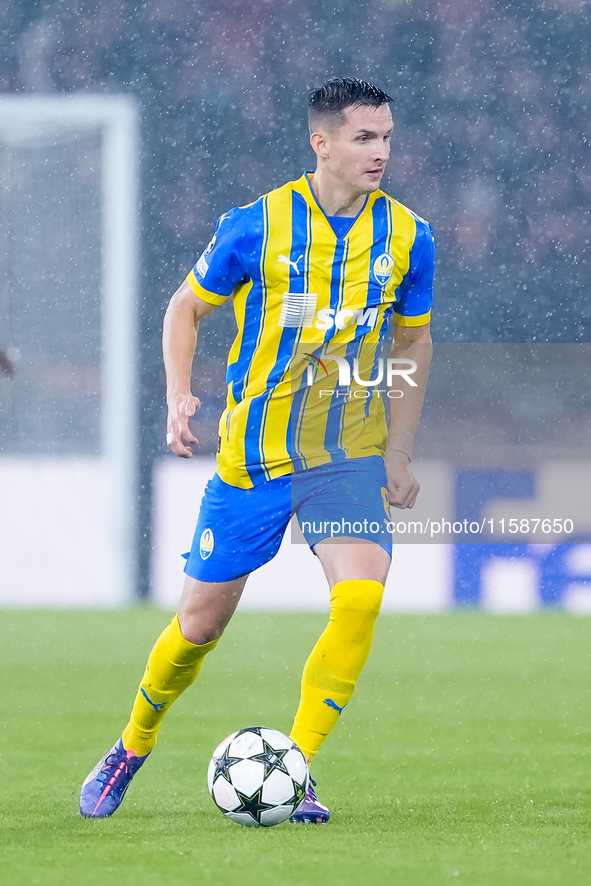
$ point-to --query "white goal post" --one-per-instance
(104, 481)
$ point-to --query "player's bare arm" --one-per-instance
(411, 343)
(179, 340)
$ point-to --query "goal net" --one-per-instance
(68, 246)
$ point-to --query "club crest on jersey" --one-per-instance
(206, 544)
(383, 267)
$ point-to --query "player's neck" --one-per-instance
(335, 198)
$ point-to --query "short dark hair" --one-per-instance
(334, 96)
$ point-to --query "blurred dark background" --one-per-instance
(491, 144)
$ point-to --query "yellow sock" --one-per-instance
(172, 666)
(331, 672)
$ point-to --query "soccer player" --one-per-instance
(317, 269)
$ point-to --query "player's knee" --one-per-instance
(360, 595)
(197, 631)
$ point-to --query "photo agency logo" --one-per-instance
(350, 384)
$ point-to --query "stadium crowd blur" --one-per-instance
(491, 138)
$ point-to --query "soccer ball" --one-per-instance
(258, 777)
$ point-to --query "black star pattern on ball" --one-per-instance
(299, 793)
(253, 805)
(223, 764)
(271, 758)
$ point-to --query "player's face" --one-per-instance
(358, 150)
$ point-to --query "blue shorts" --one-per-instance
(239, 530)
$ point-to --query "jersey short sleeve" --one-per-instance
(414, 296)
(219, 270)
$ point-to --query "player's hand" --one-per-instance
(403, 486)
(178, 434)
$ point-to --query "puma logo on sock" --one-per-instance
(155, 704)
(333, 704)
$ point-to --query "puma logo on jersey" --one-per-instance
(286, 261)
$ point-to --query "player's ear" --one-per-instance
(319, 144)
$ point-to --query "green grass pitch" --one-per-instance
(463, 758)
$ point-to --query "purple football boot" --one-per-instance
(104, 788)
(311, 810)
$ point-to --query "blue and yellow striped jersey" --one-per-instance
(301, 292)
